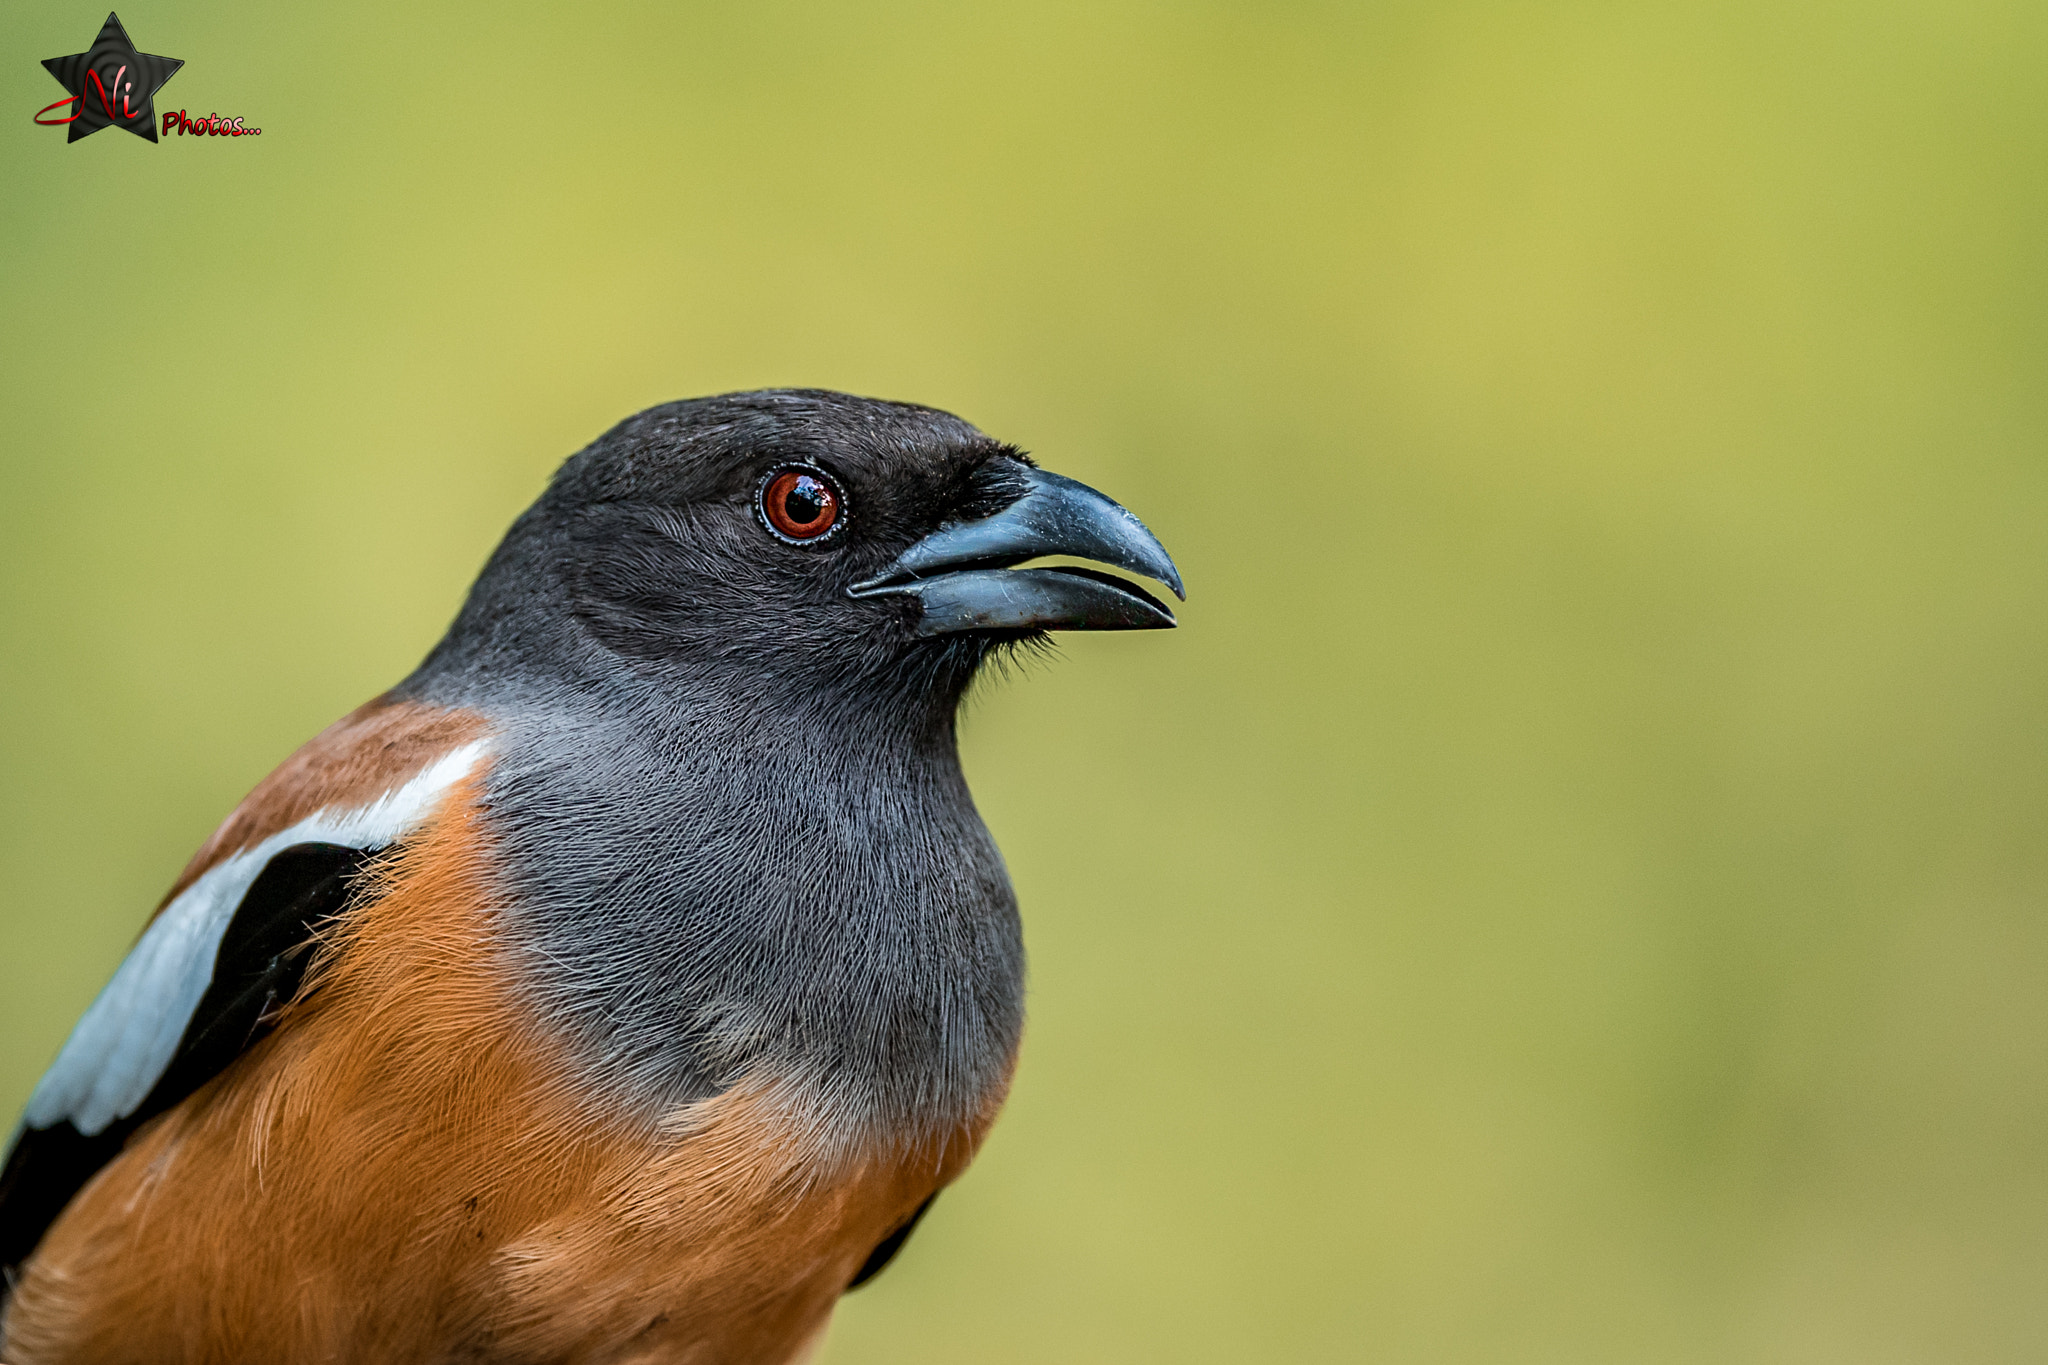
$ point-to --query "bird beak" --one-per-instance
(960, 574)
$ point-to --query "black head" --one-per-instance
(801, 540)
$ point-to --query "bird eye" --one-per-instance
(801, 504)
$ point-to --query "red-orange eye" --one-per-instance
(802, 504)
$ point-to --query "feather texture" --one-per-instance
(126, 1039)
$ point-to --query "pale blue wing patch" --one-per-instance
(129, 1034)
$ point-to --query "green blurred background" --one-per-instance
(1572, 891)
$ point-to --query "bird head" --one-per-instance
(806, 539)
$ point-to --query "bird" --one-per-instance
(623, 984)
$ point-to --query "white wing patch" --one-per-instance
(127, 1038)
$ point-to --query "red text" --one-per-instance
(127, 114)
(213, 125)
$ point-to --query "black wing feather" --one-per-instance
(885, 1251)
(261, 962)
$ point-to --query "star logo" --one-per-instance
(111, 83)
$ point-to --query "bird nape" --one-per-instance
(630, 978)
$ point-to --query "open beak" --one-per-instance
(962, 578)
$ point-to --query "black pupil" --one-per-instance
(806, 501)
